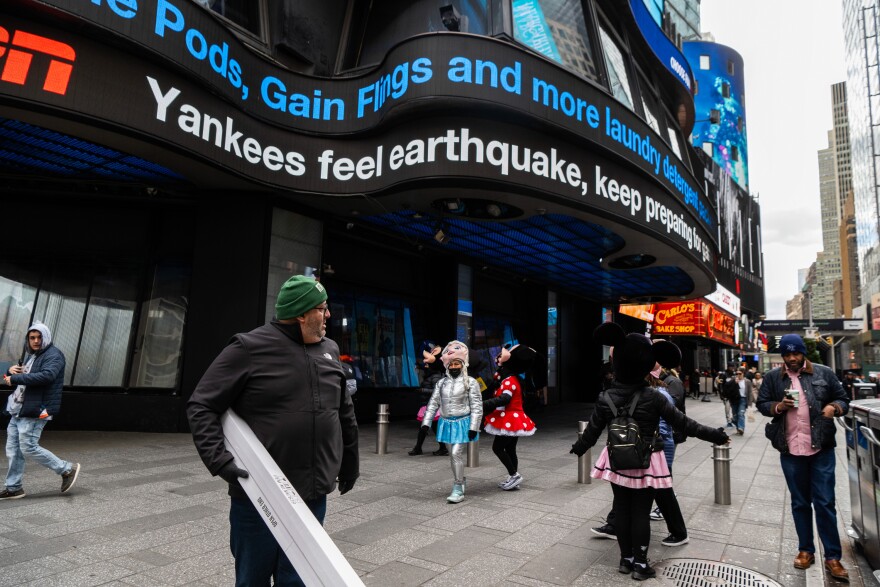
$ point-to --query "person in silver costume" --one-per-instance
(458, 398)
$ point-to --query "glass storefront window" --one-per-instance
(61, 305)
(618, 76)
(159, 347)
(107, 330)
(552, 340)
(375, 335)
(490, 335)
(17, 299)
(557, 30)
(294, 249)
(390, 22)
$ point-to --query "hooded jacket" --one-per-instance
(292, 395)
(44, 382)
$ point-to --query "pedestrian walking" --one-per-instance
(634, 356)
(457, 397)
(744, 389)
(803, 399)
(38, 379)
(729, 393)
(505, 417)
(285, 380)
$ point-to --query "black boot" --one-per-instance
(642, 571)
(417, 449)
(441, 452)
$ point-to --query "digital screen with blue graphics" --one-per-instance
(721, 91)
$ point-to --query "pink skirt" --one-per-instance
(656, 475)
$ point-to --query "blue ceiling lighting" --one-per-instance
(33, 150)
(559, 250)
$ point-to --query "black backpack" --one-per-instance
(626, 448)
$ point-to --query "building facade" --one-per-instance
(496, 171)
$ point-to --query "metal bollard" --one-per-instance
(473, 453)
(721, 456)
(383, 417)
(584, 461)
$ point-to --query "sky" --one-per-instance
(792, 52)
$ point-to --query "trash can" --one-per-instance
(866, 428)
(851, 428)
(864, 390)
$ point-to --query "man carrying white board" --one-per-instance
(285, 380)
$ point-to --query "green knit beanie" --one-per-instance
(298, 295)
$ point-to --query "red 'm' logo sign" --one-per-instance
(20, 53)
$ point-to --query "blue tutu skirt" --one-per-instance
(454, 430)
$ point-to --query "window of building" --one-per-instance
(244, 13)
(739, 124)
(705, 63)
(708, 149)
(375, 335)
(618, 76)
(392, 21)
(731, 68)
(649, 104)
(734, 153)
(557, 30)
(294, 249)
(725, 89)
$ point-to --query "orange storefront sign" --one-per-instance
(693, 318)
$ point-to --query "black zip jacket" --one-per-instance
(651, 407)
(292, 395)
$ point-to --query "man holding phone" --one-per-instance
(803, 399)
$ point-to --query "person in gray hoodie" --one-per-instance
(38, 379)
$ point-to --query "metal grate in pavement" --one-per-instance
(702, 573)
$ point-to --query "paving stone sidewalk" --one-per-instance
(145, 512)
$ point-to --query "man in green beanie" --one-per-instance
(286, 381)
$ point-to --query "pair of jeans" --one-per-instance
(811, 484)
(741, 414)
(23, 441)
(258, 558)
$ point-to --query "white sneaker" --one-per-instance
(512, 482)
(656, 515)
(506, 481)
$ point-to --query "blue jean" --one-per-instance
(258, 558)
(811, 484)
(741, 414)
(23, 440)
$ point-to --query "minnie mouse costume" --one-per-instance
(505, 417)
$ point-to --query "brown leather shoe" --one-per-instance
(836, 570)
(804, 560)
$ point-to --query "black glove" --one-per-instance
(426, 429)
(345, 486)
(721, 437)
(230, 473)
(472, 434)
(579, 448)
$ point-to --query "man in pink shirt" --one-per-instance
(803, 399)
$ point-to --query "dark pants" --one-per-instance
(504, 448)
(811, 484)
(258, 558)
(631, 510)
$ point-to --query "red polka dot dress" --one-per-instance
(509, 420)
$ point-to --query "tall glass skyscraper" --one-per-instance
(861, 24)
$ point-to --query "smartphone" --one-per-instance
(794, 395)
